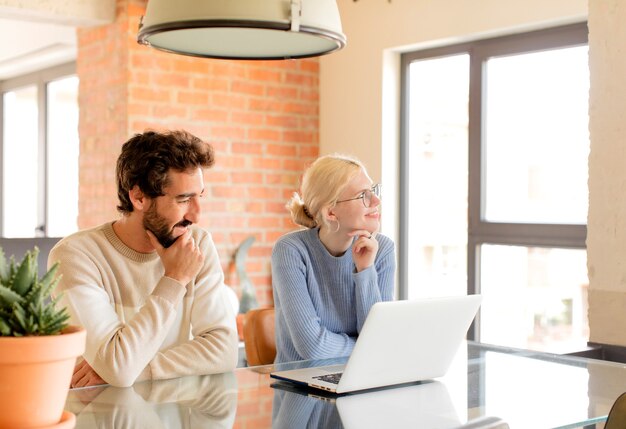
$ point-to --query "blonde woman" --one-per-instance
(326, 277)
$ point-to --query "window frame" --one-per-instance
(40, 79)
(481, 231)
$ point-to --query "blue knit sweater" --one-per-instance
(321, 301)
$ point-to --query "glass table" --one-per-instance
(485, 384)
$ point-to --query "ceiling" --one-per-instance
(29, 46)
(38, 34)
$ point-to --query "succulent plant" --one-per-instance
(26, 304)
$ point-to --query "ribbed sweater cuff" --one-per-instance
(365, 274)
(169, 289)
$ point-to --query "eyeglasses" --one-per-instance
(366, 196)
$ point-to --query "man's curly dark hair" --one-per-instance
(147, 158)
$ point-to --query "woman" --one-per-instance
(326, 278)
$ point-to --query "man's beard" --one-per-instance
(157, 225)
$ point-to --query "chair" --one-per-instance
(259, 337)
(617, 415)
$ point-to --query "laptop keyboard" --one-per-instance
(330, 378)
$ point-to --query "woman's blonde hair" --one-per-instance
(322, 184)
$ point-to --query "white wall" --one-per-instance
(606, 226)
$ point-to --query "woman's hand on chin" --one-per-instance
(364, 248)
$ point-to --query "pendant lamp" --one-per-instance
(243, 29)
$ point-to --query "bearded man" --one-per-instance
(148, 287)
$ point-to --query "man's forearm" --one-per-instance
(210, 353)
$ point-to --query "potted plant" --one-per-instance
(38, 349)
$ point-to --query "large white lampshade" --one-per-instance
(243, 29)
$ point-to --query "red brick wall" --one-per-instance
(261, 116)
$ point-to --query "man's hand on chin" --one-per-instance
(182, 260)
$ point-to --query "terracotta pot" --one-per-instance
(35, 375)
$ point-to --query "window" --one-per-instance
(494, 183)
(39, 153)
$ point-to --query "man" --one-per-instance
(148, 287)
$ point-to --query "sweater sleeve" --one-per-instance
(376, 283)
(301, 322)
(119, 352)
(213, 348)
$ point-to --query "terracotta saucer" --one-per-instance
(68, 421)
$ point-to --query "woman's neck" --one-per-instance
(335, 242)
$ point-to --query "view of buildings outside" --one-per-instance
(438, 179)
(535, 150)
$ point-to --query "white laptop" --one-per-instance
(401, 342)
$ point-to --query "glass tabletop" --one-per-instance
(485, 384)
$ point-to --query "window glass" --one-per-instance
(536, 138)
(534, 298)
(62, 183)
(494, 173)
(20, 165)
(438, 175)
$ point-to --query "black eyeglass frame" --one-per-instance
(375, 190)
